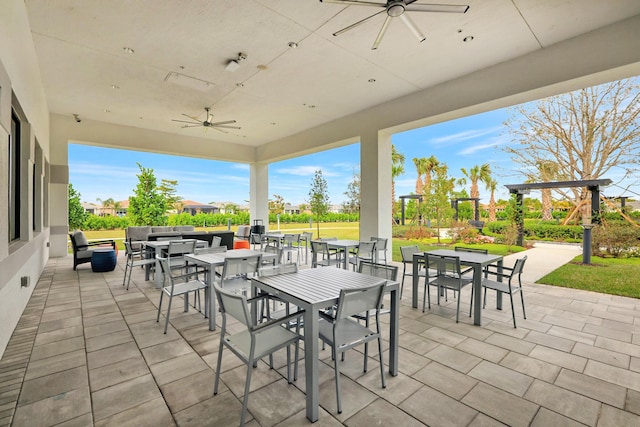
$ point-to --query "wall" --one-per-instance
(19, 73)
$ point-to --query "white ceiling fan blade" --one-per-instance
(383, 30)
(226, 127)
(192, 126)
(184, 121)
(226, 122)
(355, 3)
(352, 26)
(412, 26)
(439, 8)
(218, 129)
(191, 117)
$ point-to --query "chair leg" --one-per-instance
(166, 323)
(366, 345)
(219, 364)
(247, 385)
(471, 304)
(458, 311)
(522, 299)
(384, 385)
(513, 309)
(337, 371)
(160, 306)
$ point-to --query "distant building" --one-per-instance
(193, 208)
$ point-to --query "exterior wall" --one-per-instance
(19, 74)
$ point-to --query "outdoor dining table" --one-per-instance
(343, 246)
(159, 245)
(303, 238)
(210, 262)
(473, 259)
(317, 288)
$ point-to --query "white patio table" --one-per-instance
(314, 289)
(210, 262)
(476, 260)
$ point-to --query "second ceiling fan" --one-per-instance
(208, 122)
(397, 9)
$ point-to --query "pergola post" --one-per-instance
(520, 218)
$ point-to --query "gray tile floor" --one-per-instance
(87, 352)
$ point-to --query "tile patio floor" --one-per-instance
(86, 352)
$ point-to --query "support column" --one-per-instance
(58, 192)
(259, 192)
(375, 187)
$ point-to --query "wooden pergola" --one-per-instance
(593, 185)
(410, 196)
(476, 201)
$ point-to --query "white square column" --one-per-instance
(375, 187)
(259, 192)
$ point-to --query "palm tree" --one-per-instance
(421, 169)
(475, 174)
(492, 184)
(430, 165)
(397, 169)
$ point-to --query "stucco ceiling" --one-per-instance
(277, 91)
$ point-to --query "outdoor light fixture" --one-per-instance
(234, 64)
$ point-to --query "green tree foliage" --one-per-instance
(148, 206)
(318, 197)
(352, 204)
(77, 214)
(437, 204)
(168, 189)
(276, 205)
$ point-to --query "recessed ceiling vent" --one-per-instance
(190, 82)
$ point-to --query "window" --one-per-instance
(14, 179)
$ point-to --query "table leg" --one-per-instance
(415, 282)
(477, 295)
(394, 332)
(311, 349)
(211, 302)
(499, 294)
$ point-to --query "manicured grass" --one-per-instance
(613, 276)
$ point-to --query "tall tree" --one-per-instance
(352, 204)
(586, 133)
(420, 163)
(107, 205)
(168, 189)
(77, 214)
(477, 173)
(430, 165)
(318, 198)
(397, 169)
(492, 185)
(438, 202)
(148, 205)
(548, 171)
(276, 204)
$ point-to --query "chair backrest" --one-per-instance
(448, 268)
(79, 240)
(181, 247)
(407, 252)
(519, 265)
(359, 300)
(381, 243)
(290, 239)
(476, 250)
(308, 235)
(328, 239)
(240, 266)
(383, 271)
(215, 241)
(367, 249)
(166, 271)
(235, 305)
(127, 249)
(270, 249)
(274, 270)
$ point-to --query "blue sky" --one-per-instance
(108, 173)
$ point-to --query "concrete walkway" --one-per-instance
(543, 258)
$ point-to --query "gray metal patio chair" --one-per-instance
(237, 272)
(449, 277)
(366, 251)
(253, 341)
(321, 256)
(187, 284)
(381, 247)
(407, 261)
(290, 245)
(342, 333)
(135, 258)
(508, 287)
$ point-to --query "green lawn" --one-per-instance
(615, 276)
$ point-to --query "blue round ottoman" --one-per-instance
(103, 259)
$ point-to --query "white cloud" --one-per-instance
(466, 135)
(308, 170)
(491, 143)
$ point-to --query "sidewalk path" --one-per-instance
(543, 259)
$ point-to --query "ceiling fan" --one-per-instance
(208, 122)
(397, 9)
